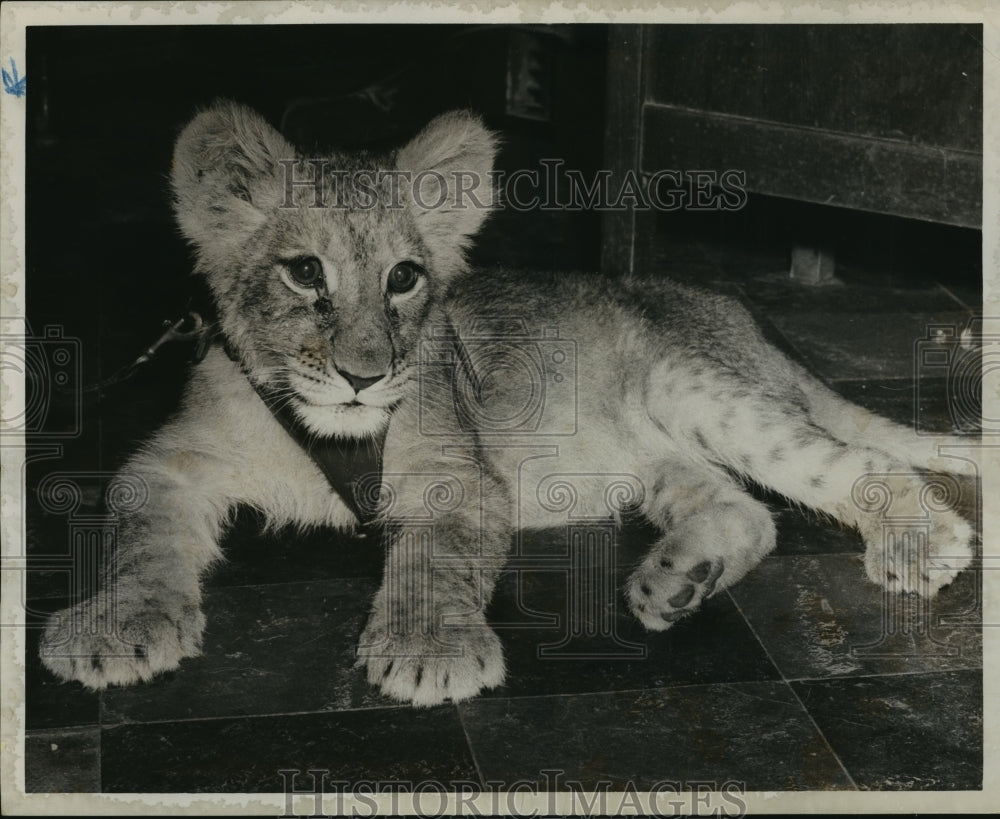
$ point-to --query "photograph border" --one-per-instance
(16, 17)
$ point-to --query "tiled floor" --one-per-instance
(800, 677)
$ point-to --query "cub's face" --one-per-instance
(326, 269)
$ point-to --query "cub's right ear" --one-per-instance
(226, 176)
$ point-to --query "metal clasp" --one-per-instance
(187, 327)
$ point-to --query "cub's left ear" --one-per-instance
(226, 177)
(451, 191)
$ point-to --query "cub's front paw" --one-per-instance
(101, 642)
(427, 669)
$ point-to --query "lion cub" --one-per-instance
(505, 401)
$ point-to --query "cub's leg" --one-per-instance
(858, 426)
(147, 614)
(906, 507)
(714, 533)
(914, 539)
(224, 448)
(449, 530)
(427, 639)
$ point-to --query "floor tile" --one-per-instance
(802, 532)
(681, 258)
(750, 260)
(774, 336)
(779, 293)
(863, 345)
(906, 732)
(969, 295)
(63, 497)
(267, 649)
(929, 406)
(63, 761)
(258, 557)
(818, 616)
(754, 733)
(597, 645)
(253, 556)
(48, 701)
(245, 755)
(733, 247)
(895, 399)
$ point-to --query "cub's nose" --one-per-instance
(360, 382)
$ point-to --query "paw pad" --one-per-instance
(700, 572)
(661, 595)
(682, 598)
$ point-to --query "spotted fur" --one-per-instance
(652, 394)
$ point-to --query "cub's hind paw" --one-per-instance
(424, 671)
(914, 540)
(921, 563)
(661, 593)
(83, 643)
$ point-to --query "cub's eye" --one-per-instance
(306, 272)
(403, 277)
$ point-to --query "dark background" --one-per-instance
(105, 261)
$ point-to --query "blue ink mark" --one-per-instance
(12, 83)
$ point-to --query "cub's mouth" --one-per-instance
(336, 391)
(328, 403)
